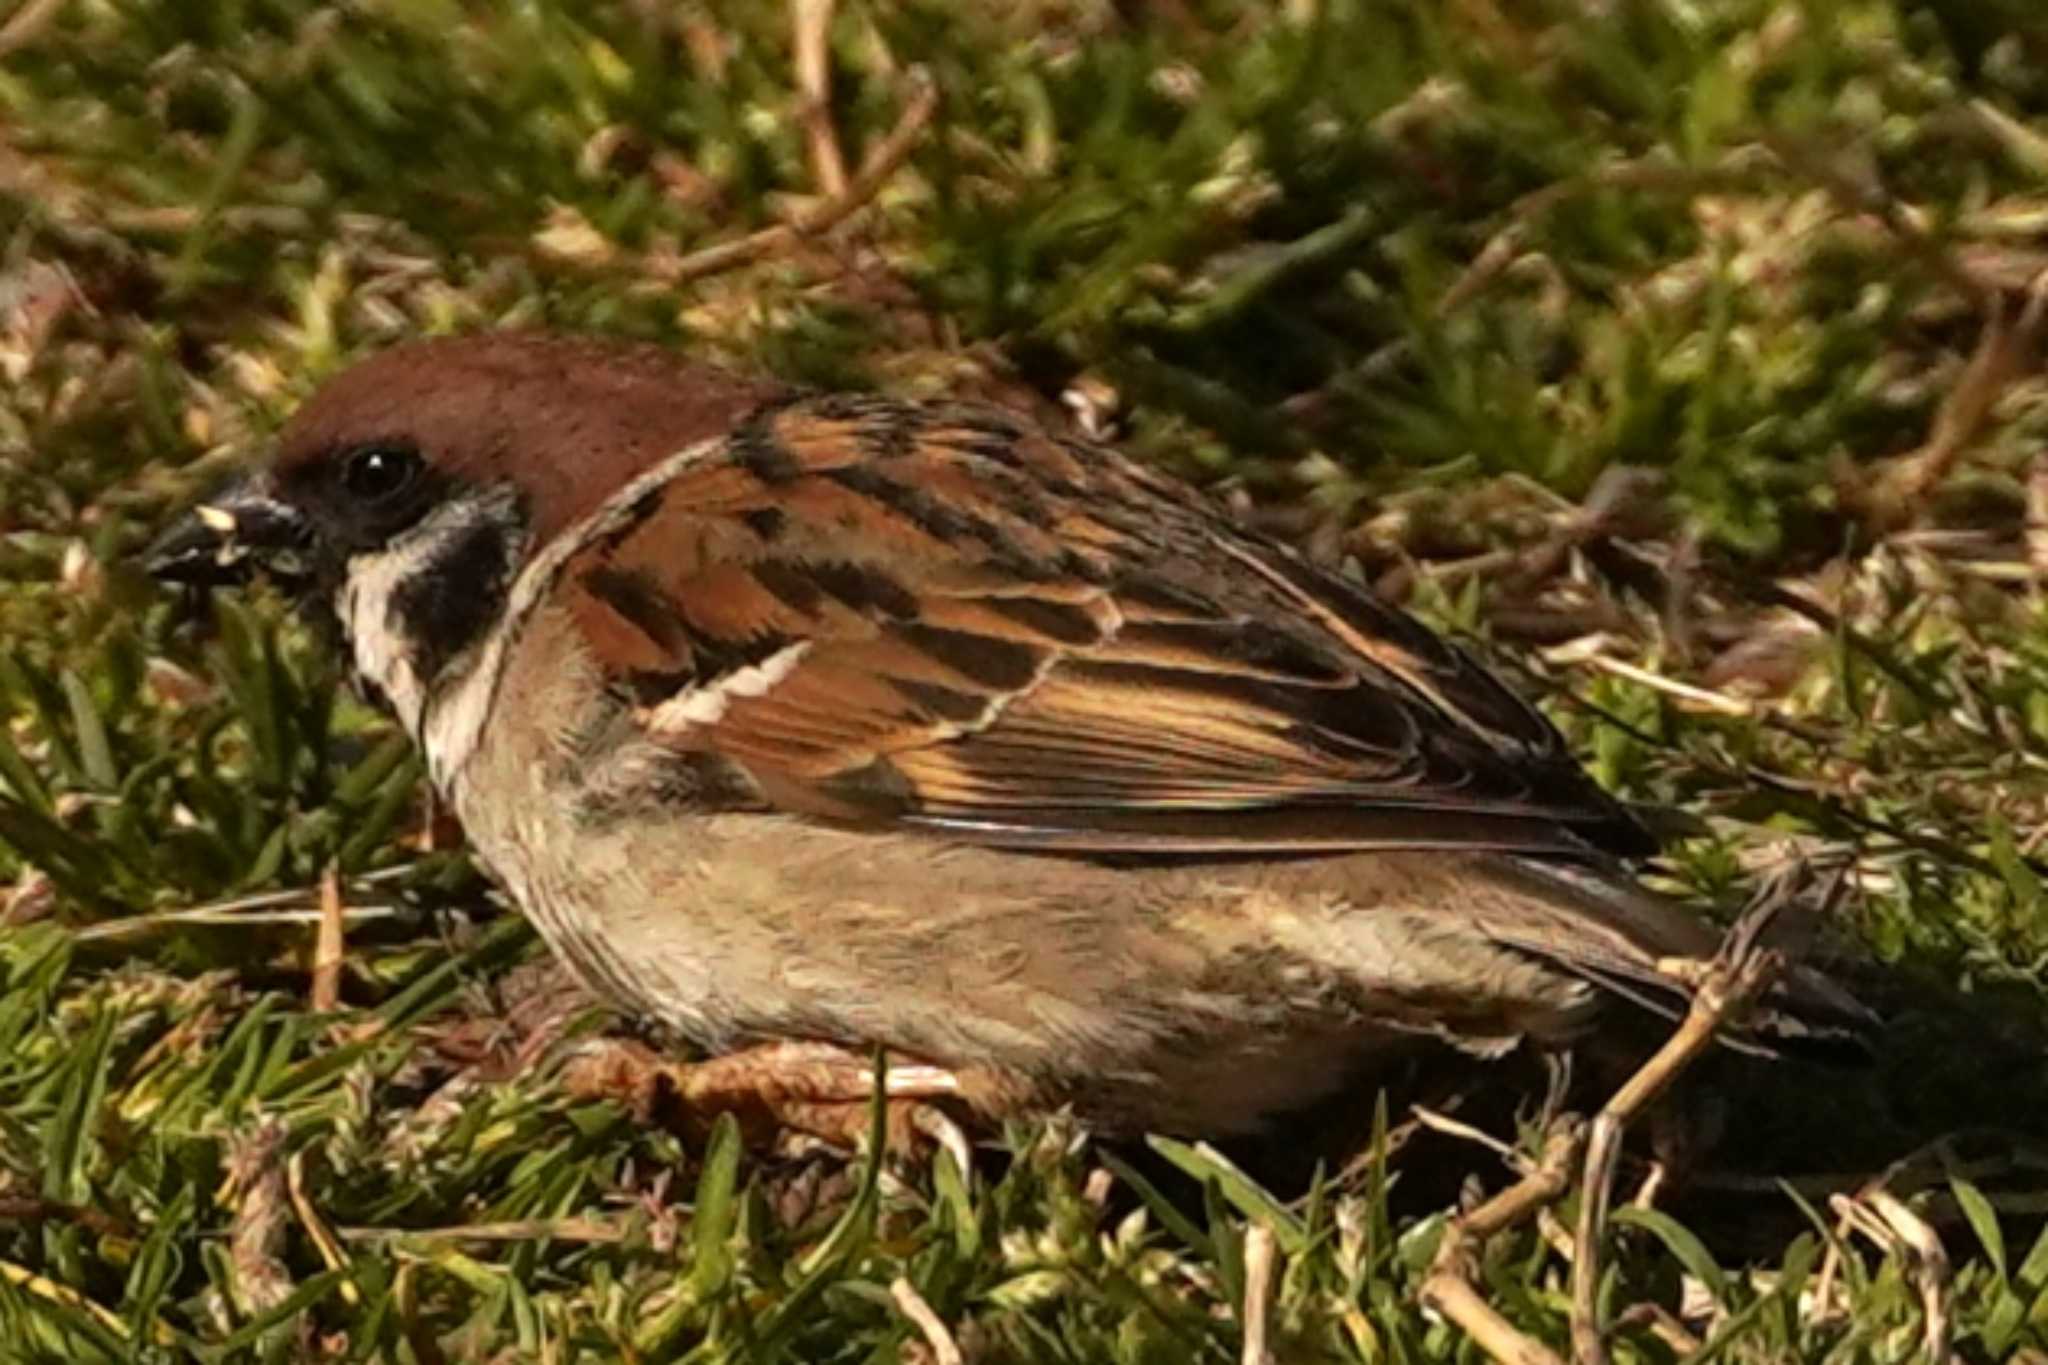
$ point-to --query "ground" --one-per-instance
(1682, 358)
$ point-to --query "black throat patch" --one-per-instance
(460, 588)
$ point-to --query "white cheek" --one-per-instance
(455, 724)
(381, 655)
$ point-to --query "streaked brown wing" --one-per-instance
(937, 615)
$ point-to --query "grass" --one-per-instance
(1676, 354)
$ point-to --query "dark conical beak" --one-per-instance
(240, 532)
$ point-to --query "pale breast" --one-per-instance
(1114, 986)
(602, 899)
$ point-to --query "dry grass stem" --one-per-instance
(330, 945)
(594, 1230)
(888, 156)
(1901, 491)
(1663, 1325)
(27, 1208)
(293, 905)
(1260, 1264)
(1886, 1220)
(1686, 692)
(21, 1277)
(1736, 976)
(1450, 1287)
(1930, 1265)
(811, 33)
(945, 1350)
(322, 1236)
(1445, 1124)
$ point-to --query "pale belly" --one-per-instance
(1188, 998)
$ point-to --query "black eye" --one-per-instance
(375, 473)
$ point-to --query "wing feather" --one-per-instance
(980, 629)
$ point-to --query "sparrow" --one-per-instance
(808, 724)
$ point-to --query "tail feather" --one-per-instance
(1803, 1011)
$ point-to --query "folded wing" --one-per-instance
(937, 616)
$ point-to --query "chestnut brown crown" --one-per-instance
(560, 422)
(567, 419)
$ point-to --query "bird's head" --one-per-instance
(407, 495)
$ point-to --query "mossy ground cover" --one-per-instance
(1684, 357)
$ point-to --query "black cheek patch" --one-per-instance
(444, 608)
